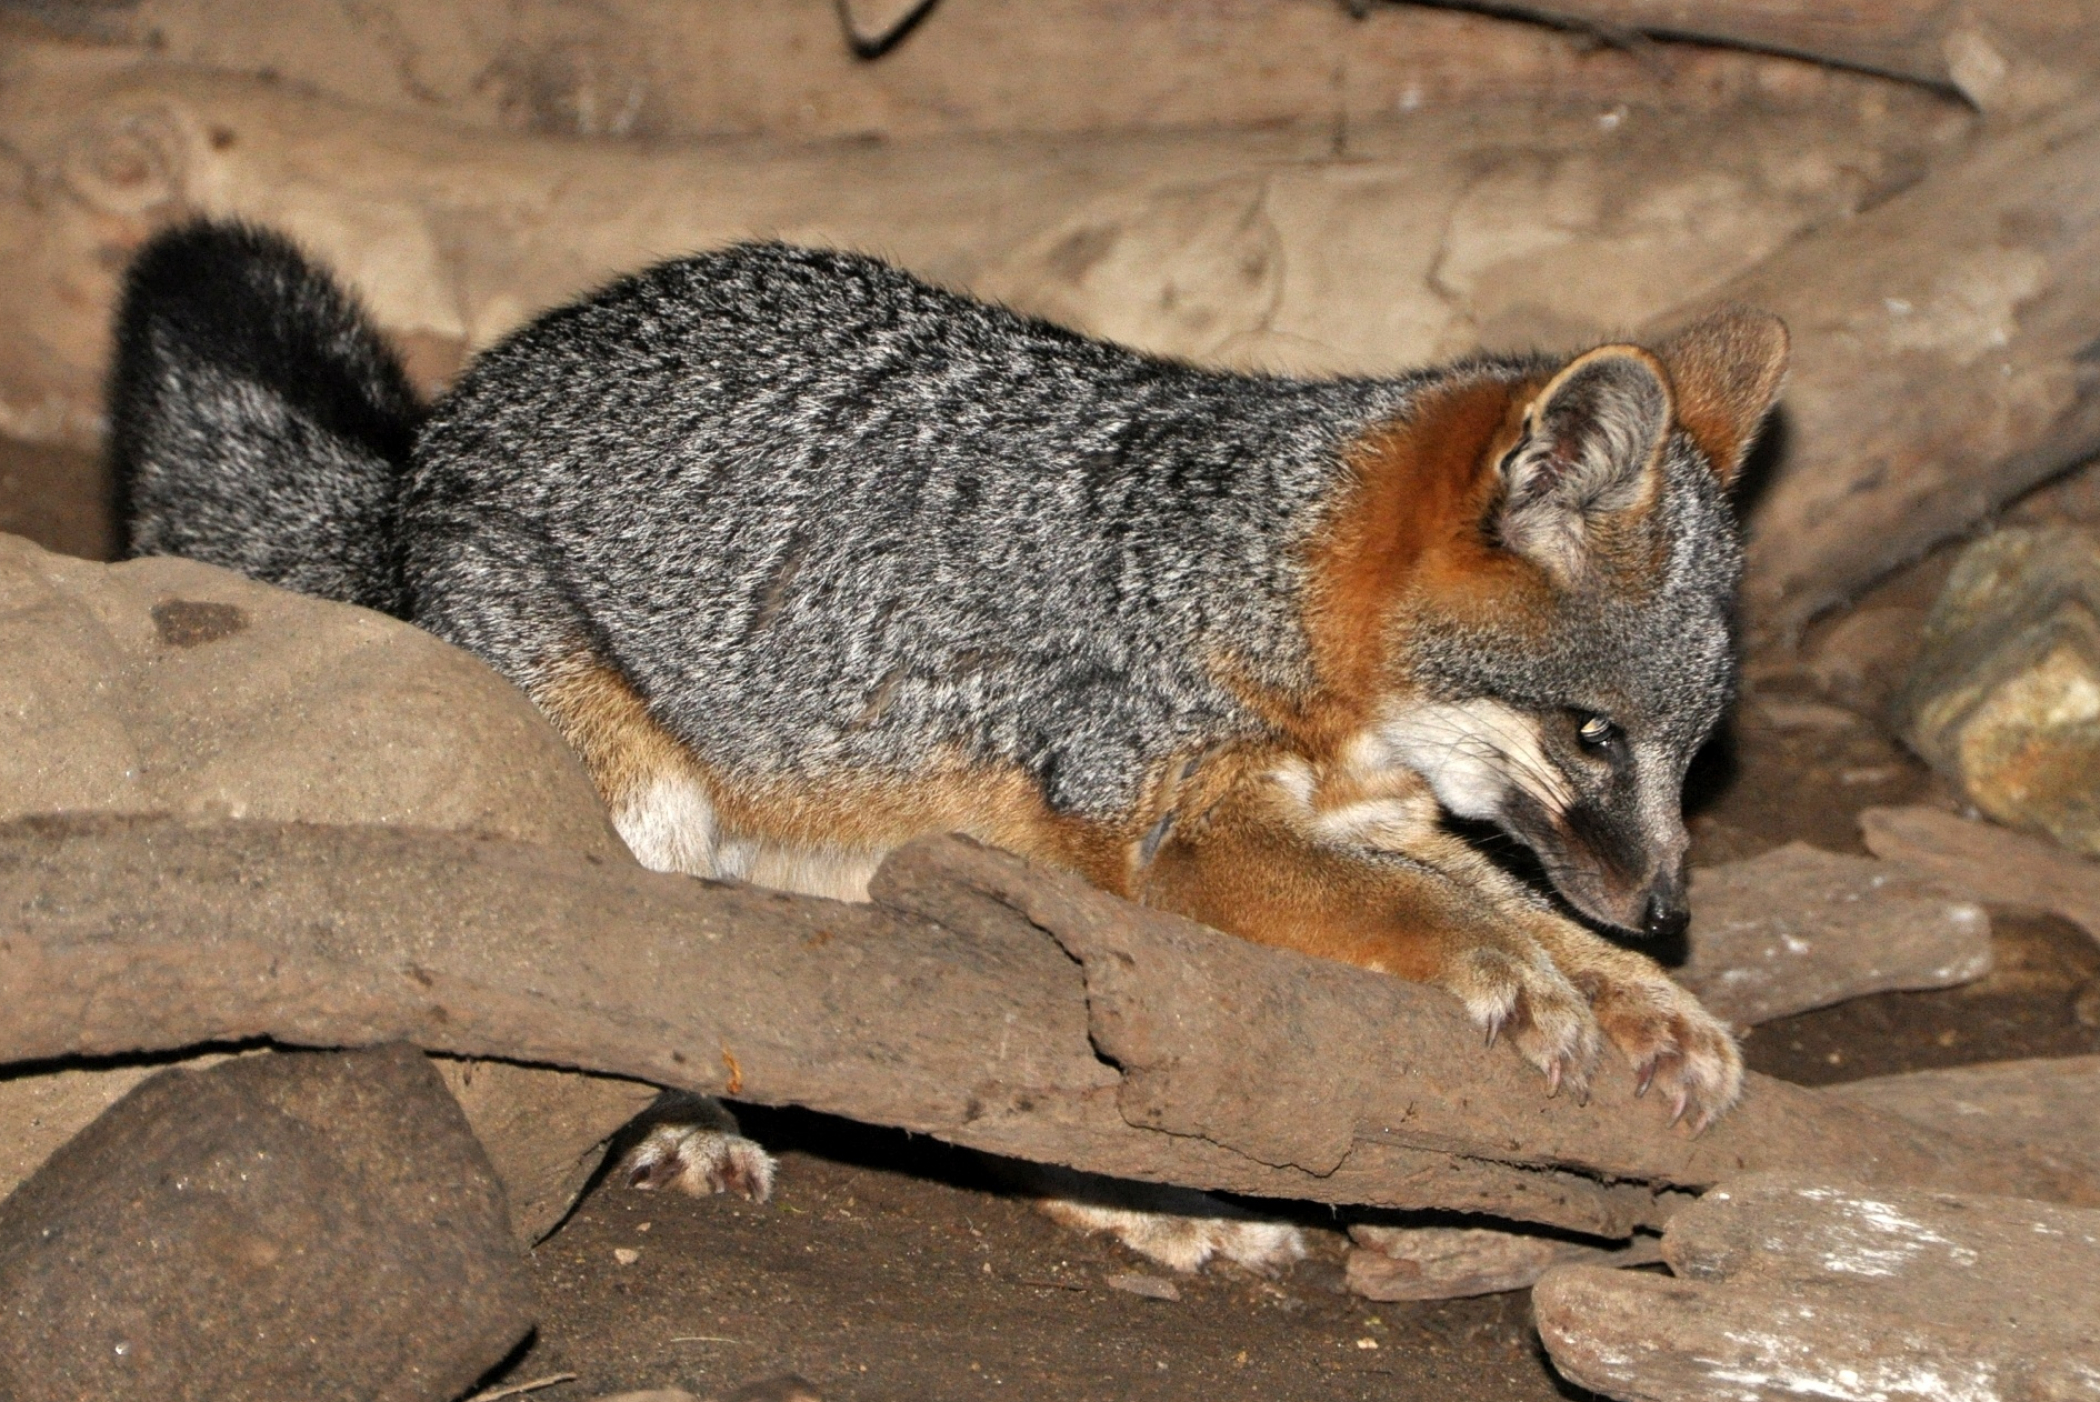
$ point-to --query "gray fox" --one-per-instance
(807, 558)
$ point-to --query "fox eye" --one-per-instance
(1597, 734)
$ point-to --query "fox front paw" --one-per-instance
(1532, 1003)
(1674, 1044)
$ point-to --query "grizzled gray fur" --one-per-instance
(827, 518)
(257, 421)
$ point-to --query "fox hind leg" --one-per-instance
(664, 814)
(1178, 1228)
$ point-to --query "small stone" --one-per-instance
(626, 1255)
(1451, 1263)
(2004, 698)
(1152, 1287)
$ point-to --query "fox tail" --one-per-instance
(257, 419)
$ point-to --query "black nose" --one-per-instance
(1665, 919)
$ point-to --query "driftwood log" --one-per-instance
(977, 999)
(1429, 234)
(715, 68)
(1994, 52)
(1944, 361)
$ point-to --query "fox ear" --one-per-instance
(1726, 368)
(1590, 448)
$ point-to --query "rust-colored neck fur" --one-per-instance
(1409, 518)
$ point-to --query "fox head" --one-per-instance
(1559, 644)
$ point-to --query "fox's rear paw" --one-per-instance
(1676, 1046)
(1183, 1243)
(692, 1144)
(1533, 1004)
(1179, 1228)
(700, 1161)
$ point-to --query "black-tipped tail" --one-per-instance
(257, 421)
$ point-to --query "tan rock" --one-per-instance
(2004, 698)
(166, 685)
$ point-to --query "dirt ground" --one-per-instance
(891, 1268)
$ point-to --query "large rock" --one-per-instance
(315, 1226)
(163, 685)
(1791, 1287)
(2004, 698)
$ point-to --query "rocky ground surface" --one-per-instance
(889, 1267)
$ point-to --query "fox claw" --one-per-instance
(1547, 1019)
(1672, 1041)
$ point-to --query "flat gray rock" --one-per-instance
(1800, 928)
(1787, 1287)
(317, 1225)
(2047, 1105)
(1987, 862)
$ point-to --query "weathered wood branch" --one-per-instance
(979, 1000)
(1977, 46)
(1431, 232)
(1944, 360)
(715, 68)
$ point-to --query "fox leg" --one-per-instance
(1277, 856)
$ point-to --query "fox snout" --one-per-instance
(1666, 913)
(1623, 879)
